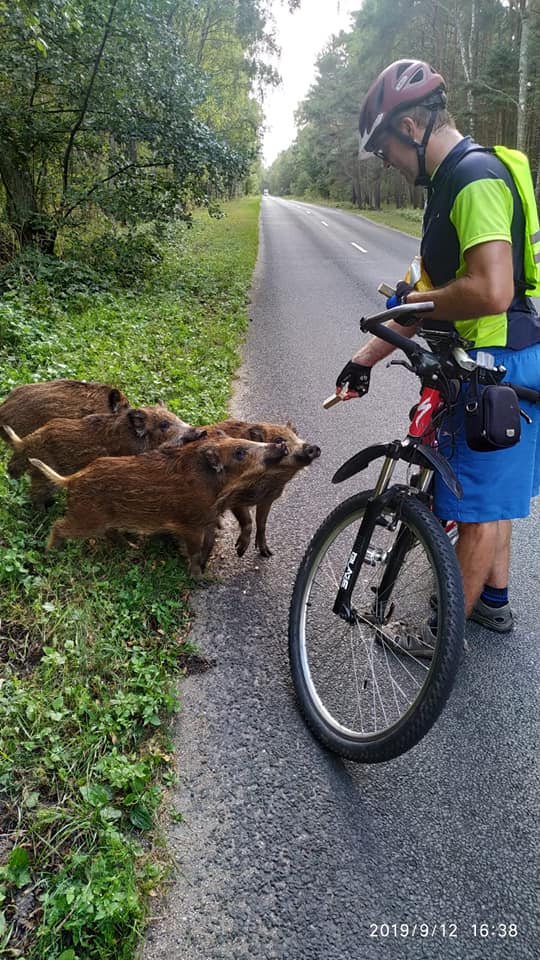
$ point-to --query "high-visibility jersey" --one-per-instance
(473, 200)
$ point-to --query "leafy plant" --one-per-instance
(92, 638)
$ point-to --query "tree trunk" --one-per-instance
(28, 222)
(467, 60)
(523, 73)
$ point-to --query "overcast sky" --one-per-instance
(301, 36)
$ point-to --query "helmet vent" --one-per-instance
(417, 77)
(404, 65)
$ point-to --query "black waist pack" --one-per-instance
(492, 418)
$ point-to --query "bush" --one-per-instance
(128, 259)
(64, 279)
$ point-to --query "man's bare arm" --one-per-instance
(487, 288)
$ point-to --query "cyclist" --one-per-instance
(473, 248)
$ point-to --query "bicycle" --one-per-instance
(381, 570)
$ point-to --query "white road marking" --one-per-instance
(324, 223)
(358, 247)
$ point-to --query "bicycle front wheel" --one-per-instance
(369, 688)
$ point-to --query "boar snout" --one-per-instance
(310, 452)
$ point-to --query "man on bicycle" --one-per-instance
(473, 249)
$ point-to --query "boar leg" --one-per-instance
(42, 491)
(17, 465)
(243, 516)
(209, 538)
(263, 509)
(194, 540)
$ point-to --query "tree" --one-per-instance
(104, 103)
(487, 50)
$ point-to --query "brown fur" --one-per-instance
(176, 489)
(270, 485)
(31, 405)
(69, 445)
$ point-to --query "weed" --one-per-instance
(92, 638)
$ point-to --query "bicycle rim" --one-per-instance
(360, 692)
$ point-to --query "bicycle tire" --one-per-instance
(333, 634)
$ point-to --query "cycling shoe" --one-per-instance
(420, 646)
(499, 619)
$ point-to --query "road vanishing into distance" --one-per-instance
(286, 852)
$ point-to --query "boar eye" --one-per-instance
(240, 454)
(278, 440)
(163, 425)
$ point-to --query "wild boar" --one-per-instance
(176, 489)
(31, 405)
(270, 485)
(69, 445)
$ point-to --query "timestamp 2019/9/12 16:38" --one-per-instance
(448, 929)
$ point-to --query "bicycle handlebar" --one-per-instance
(524, 393)
(424, 361)
(404, 310)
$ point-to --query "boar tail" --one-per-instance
(15, 440)
(49, 472)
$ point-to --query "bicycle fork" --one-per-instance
(383, 495)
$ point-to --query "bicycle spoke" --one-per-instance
(365, 681)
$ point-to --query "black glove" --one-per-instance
(356, 376)
(402, 291)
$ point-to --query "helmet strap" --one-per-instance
(423, 179)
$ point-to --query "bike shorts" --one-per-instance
(498, 485)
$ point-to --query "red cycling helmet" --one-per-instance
(404, 83)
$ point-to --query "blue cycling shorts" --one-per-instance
(497, 485)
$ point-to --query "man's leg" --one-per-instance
(498, 575)
(476, 549)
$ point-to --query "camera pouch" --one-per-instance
(492, 417)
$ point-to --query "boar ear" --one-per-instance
(115, 400)
(137, 420)
(255, 433)
(291, 426)
(193, 434)
(213, 459)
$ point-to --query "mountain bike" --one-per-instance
(376, 624)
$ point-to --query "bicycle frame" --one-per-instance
(421, 433)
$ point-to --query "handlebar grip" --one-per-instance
(368, 324)
(332, 400)
(524, 393)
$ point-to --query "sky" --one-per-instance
(301, 36)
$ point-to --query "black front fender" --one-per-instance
(422, 456)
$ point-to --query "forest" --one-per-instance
(125, 111)
(489, 55)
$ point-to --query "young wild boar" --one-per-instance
(177, 489)
(31, 405)
(69, 445)
(269, 486)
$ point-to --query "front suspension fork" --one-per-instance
(382, 496)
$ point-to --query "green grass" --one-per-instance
(93, 638)
(407, 219)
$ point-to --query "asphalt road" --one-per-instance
(285, 851)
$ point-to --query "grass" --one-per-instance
(93, 638)
(408, 219)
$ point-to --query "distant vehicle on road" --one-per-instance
(266, 192)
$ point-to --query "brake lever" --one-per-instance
(400, 363)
